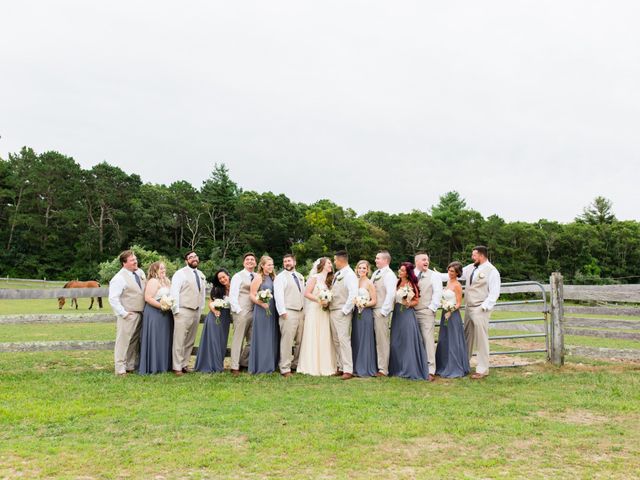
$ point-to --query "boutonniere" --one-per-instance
(338, 277)
(481, 275)
(377, 276)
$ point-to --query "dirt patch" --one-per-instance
(576, 417)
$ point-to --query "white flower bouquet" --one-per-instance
(405, 294)
(219, 304)
(361, 302)
(325, 297)
(265, 296)
(166, 303)
(448, 303)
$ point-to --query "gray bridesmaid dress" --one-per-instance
(363, 344)
(157, 340)
(213, 342)
(408, 358)
(452, 360)
(265, 338)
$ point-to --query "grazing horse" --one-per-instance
(77, 284)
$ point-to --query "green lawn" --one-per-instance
(65, 415)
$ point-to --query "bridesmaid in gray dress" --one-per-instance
(265, 338)
(363, 340)
(215, 335)
(157, 324)
(452, 360)
(408, 357)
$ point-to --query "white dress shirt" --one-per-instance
(390, 284)
(436, 285)
(348, 276)
(279, 284)
(117, 286)
(234, 289)
(493, 281)
(176, 283)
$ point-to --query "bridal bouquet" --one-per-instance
(265, 296)
(325, 297)
(361, 302)
(448, 303)
(406, 294)
(166, 303)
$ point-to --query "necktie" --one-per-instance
(420, 275)
(335, 277)
(137, 280)
(472, 273)
(195, 272)
(295, 279)
(251, 276)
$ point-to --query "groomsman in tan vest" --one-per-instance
(188, 289)
(480, 296)
(126, 296)
(385, 283)
(242, 313)
(288, 288)
(344, 290)
(430, 285)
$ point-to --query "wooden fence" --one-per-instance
(564, 319)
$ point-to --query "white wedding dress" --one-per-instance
(317, 353)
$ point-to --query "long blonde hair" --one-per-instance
(153, 273)
(263, 260)
(365, 262)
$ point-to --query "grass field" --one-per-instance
(65, 415)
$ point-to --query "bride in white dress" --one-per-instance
(317, 353)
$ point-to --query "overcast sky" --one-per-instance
(529, 109)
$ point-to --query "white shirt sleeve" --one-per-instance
(176, 284)
(116, 287)
(351, 282)
(436, 283)
(279, 285)
(234, 293)
(494, 290)
(390, 283)
(466, 273)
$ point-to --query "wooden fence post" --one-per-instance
(557, 319)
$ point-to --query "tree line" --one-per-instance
(60, 221)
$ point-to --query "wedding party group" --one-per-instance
(339, 321)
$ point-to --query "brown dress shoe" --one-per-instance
(187, 370)
(431, 378)
(478, 376)
(339, 373)
(178, 373)
(346, 376)
(287, 374)
(235, 373)
(381, 374)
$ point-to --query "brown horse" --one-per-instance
(77, 284)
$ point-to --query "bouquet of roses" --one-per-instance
(265, 296)
(166, 303)
(325, 297)
(448, 303)
(406, 294)
(219, 304)
(361, 302)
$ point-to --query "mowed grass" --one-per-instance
(65, 415)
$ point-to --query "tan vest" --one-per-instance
(340, 293)
(190, 296)
(132, 297)
(293, 298)
(381, 290)
(478, 291)
(426, 290)
(244, 298)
